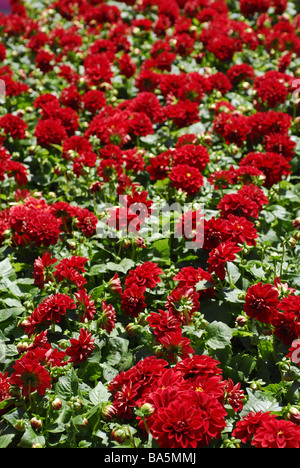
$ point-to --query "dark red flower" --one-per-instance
(132, 300)
(42, 272)
(31, 376)
(146, 275)
(277, 434)
(261, 302)
(80, 349)
(219, 256)
(183, 303)
(186, 178)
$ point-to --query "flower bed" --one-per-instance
(149, 224)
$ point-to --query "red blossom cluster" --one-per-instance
(184, 404)
(33, 221)
(277, 305)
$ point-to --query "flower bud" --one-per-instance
(20, 425)
(36, 423)
(119, 435)
(56, 404)
(109, 412)
(147, 409)
(294, 415)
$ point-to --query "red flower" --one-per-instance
(50, 131)
(85, 305)
(42, 271)
(261, 302)
(13, 126)
(43, 228)
(191, 155)
(278, 434)
(71, 269)
(274, 166)
(82, 348)
(107, 319)
(234, 395)
(159, 166)
(50, 310)
(132, 300)
(219, 256)
(189, 276)
(183, 303)
(31, 376)
(247, 426)
(163, 322)
(178, 425)
(4, 388)
(145, 275)
(174, 346)
(186, 178)
(86, 221)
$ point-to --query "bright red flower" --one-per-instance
(146, 275)
(246, 427)
(219, 256)
(183, 303)
(278, 434)
(42, 271)
(31, 376)
(132, 300)
(186, 178)
(107, 319)
(80, 349)
(174, 346)
(261, 302)
(85, 305)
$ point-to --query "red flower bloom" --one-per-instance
(247, 426)
(278, 434)
(4, 388)
(178, 425)
(174, 346)
(191, 155)
(42, 271)
(219, 257)
(50, 131)
(43, 228)
(107, 319)
(70, 270)
(183, 303)
(82, 348)
(163, 322)
(85, 305)
(261, 302)
(132, 300)
(31, 376)
(186, 178)
(145, 275)
(50, 310)
(13, 126)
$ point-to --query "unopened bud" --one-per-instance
(109, 412)
(36, 423)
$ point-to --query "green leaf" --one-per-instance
(218, 335)
(99, 394)
(260, 401)
(5, 440)
(67, 385)
(6, 269)
(30, 437)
